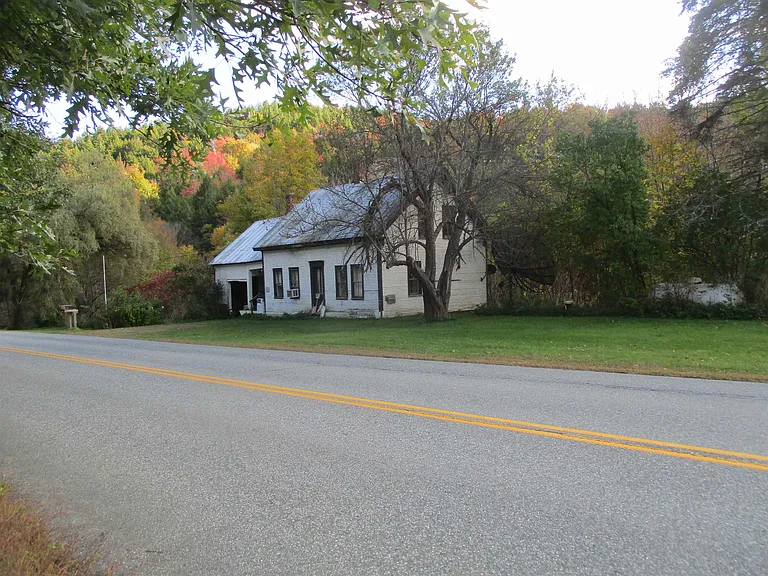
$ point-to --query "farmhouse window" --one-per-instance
(277, 277)
(358, 289)
(293, 279)
(414, 286)
(449, 220)
(422, 225)
(342, 286)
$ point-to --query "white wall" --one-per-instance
(227, 273)
(332, 256)
(467, 286)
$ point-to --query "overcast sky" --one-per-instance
(612, 51)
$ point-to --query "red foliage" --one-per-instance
(158, 288)
(215, 165)
(191, 189)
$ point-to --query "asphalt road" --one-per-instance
(175, 474)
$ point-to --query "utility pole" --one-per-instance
(104, 274)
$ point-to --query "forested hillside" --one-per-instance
(576, 203)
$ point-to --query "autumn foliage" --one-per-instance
(187, 292)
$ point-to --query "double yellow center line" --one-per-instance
(688, 452)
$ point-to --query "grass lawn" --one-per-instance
(703, 348)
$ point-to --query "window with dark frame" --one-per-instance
(342, 286)
(422, 225)
(293, 279)
(449, 220)
(358, 288)
(414, 286)
(277, 278)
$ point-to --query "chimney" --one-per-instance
(290, 202)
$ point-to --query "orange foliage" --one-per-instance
(216, 166)
(191, 189)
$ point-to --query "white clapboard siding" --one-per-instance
(332, 255)
(468, 289)
(234, 273)
(278, 249)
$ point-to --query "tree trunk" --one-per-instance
(16, 298)
(17, 318)
(434, 309)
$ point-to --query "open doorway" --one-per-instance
(317, 283)
(239, 294)
(257, 291)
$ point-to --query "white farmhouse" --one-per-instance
(309, 261)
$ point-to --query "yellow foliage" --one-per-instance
(221, 237)
(671, 160)
(145, 188)
(235, 150)
(286, 163)
(188, 254)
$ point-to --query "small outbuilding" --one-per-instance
(239, 268)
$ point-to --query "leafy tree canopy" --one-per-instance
(133, 56)
(128, 146)
(723, 62)
(284, 167)
(603, 223)
(30, 191)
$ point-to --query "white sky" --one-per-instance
(612, 51)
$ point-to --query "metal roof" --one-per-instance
(241, 250)
(337, 213)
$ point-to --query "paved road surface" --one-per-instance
(193, 475)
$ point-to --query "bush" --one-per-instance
(188, 292)
(130, 309)
(662, 308)
(676, 308)
(198, 294)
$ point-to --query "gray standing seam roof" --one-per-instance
(241, 250)
(337, 213)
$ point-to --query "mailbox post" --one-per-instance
(70, 312)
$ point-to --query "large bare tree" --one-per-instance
(449, 164)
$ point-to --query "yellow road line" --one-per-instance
(698, 453)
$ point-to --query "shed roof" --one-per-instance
(242, 248)
(336, 213)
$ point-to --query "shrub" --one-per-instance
(677, 308)
(198, 295)
(130, 309)
(662, 308)
(188, 292)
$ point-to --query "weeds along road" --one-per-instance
(181, 459)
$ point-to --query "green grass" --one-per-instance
(703, 348)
